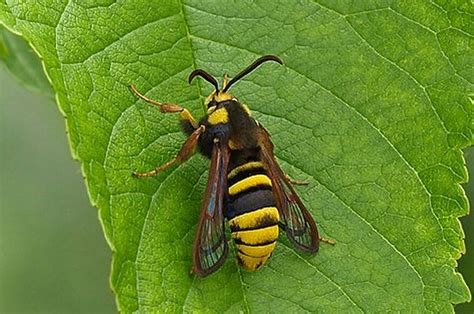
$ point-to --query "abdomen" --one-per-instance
(252, 214)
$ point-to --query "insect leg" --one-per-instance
(322, 239)
(296, 182)
(185, 152)
(185, 115)
(188, 122)
(328, 241)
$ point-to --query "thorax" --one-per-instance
(230, 122)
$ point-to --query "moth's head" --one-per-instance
(220, 95)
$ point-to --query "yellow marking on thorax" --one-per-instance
(258, 179)
(251, 263)
(219, 116)
(252, 220)
(244, 167)
(257, 236)
(257, 251)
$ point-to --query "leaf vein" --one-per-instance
(339, 287)
(365, 221)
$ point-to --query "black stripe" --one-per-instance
(241, 262)
(245, 174)
(239, 241)
(250, 202)
(262, 222)
(241, 157)
(260, 256)
(261, 187)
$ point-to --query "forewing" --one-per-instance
(298, 222)
(210, 246)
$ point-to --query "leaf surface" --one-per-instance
(371, 108)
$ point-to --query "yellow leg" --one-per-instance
(296, 182)
(155, 171)
(328, 241)
(187, 116)
(167, 107)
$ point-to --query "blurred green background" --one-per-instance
(53, 255)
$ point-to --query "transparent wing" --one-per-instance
(210, 246)
(298, 222)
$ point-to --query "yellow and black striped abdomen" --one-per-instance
(252, 214)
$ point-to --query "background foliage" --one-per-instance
(53, 256)
(350, 181)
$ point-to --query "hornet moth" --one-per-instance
(246, 186)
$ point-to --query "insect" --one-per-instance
(246, 185)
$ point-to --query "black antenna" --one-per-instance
(252, 67)
(205, 76)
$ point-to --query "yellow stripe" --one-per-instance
(244, 167)
(257, 236)
(251, 263)
(247, 183)
(253, 219)
(257, 251)
(219, 116)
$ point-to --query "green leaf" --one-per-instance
(466, 262)
(22, 62)
(371, 108)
